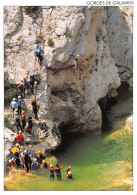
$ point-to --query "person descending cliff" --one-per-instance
(13, 105)
(58, 171)
(26, 160)
(35, 88)
(76, 57)
(19, 104)
(69, 172)
(23, 119)
(32, 78)
(18, 120)
(39, 53)
(20, 88)
(51, 170)
(34, 107)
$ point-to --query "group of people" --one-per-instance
(29, 160)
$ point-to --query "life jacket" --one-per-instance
(51, 170)
(57, 169)
(15, 150)
(35, 165)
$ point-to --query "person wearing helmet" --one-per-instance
(30, 124)
(43, 126)
(26, 160)
(20, 88)
(16, 152)
(24, 85)
(21, 156)
(35, 88)
(76, 57)
(19, 104)
(69, 172)
(35, 164)
(20, 138)
(34, 106)
(51, 170)
(23, 120)
(18, 120)
(44, 164)
(13, 162)
(30, 159)
(39, 53)
(58, 171)
(13, 105)
(40, 156)
(32, 77)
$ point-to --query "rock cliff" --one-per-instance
(68, 99)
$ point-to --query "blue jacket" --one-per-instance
(19, 102)
(35, 165)
(75, 56)
(39, 50)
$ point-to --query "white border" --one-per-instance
(63, 3)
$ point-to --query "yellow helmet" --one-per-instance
(21, 83)
(39, 151)
(23, 112)
(78, 56)
(20, 131)
(51, 166)
(43, 122)
(21, 147)
(33, 98)
(44, 161)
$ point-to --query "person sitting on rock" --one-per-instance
(40, 156)
(32, 77)
(19, 104)
(34, 106)
(23, 120)
(76, 57)
(13, 105)
(35, 88)
(35, 164)
(20, 88)
(20, 138)
(43, 126)
(44, 164)
(39, 53)
(30, 124)
(18, 120)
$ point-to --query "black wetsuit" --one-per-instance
(26, 159)
(34, 108)
(18, 123)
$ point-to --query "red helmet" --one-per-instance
(69, 167)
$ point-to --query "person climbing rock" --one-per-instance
(23, 120)
(30, 159)
(13, 105)
(35, 88)
(39, 53)
(69, 172)
(51, 170)
(43, 126)
(76, 57)
(24, 85)
(32, 77)
(20, 138)
(40, 156)
(30, 124)
(26, 160)
(34, 106)
(16, 151)
(13, 163)
(19, 104)
(18, 120)
(58, 171)
(35, 164)
(44, 164)
(20, 88)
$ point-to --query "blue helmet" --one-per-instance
(17, 114)
(29, 152)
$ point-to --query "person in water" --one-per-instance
(69, 172)
(51, 170)
(58, 171)
(44, 164)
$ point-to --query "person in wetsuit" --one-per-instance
(58, 171)
(30, 124)
(51, 170)
(23, 119)
(26, 160)
(34, 107)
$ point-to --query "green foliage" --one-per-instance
(50, 42)
(69, 34)
(30, 9)
(7, 123)
(10, 90)
(38, 40)
(132, 15)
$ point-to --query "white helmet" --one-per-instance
(35, 82)
(19, 96)
(17, 144)
(14, 99)
(16, 110)
(25, 151)
(10, 160)
(35, 159)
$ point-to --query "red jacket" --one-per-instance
(20, 138)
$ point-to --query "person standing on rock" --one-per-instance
(35, 88)
(32, 77)
(21, 155)
(76, 57)
(20, 88)
(18, 120)
(26, 160)
(39, 52)
(30, 124)
(34, 107)
(19, 104)
(20, 138)
(23, 119)
(13, 105)
(43, 126)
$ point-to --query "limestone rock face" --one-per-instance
(120, 36)
(68, 99)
